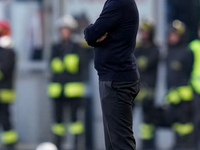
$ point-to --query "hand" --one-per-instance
(102, 38)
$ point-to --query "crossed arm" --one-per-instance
(102, 38)
(108, 19)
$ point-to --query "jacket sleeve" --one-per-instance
(188, 63)
(53, 52)
(7, 65)
(108, 19)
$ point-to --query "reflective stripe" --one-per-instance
(173, 97)
(76, 128)
(84, 44)
(9, 137)
(54, 90)
(183, 129)
(195, 79)
(57, 65)
(1, 75)
(7, 95)
(71, 62)
(176, 65)
(142, 62)
(74, 89)
(185, 92)
(59, 129)
(145, 93)
(141, 95)
(146, 131)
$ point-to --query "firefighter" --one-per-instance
(7, 94)
(67, 87)
(147, 54)
(179, 62)
(195, 82)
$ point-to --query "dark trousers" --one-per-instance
(60, 105)
(149, 114)
(117, 104)
(5, 116)
(196, 110)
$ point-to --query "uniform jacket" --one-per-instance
(179, 66)
(148, 59)
(62, 49)
(7, 66)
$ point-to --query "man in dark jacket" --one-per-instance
(113, 37)
(7, 94)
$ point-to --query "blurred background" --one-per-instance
(34, 31)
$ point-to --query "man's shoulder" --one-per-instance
(122, 2)
(125, 2)
(115, 2)
(127, 5)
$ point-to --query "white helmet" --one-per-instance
(46, 146)
(67, 21)
(6, 42)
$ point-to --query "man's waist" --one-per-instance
(130, 75)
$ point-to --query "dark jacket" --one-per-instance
(7, 66)
(179, 66)
(60, 51)
(148, 59)
(114, 58)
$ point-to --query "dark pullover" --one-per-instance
(114, 58)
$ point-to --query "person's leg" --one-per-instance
(75, 105)
(76, 126)
(184, 127)
(196, 119)
(9, 136)
(117, 99)
(58, 127)
(147, 128)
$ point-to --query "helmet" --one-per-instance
(6, 42)
(67, 21)
(147, 26)
(178, 27)
(46, 146)
(4, 28)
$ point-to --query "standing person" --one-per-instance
(67, 87)
(113, 37)
(195, 82)
(147, 54)
(180, 93)
(7, 94)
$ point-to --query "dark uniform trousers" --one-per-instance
(117, 103)
(5, 116)
(59, 107)
(196, 111)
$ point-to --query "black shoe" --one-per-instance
(10, 147)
